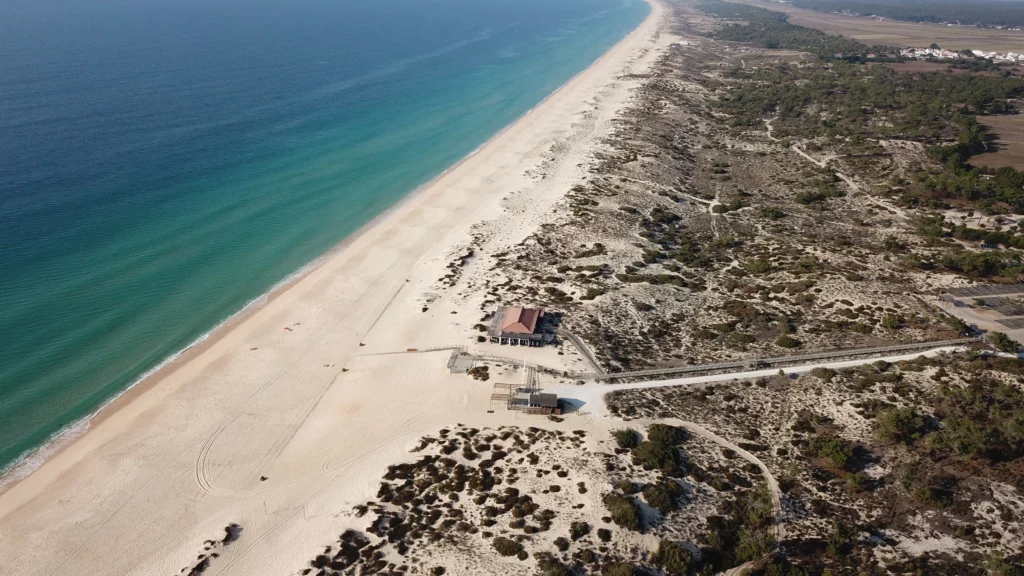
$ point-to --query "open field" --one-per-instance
(919, 66)
(924, 66)
(891, 32)
(1009, 142)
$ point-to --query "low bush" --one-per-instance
(507, 547)
(623, 511)
(673, 558)
(824, 374)
(626, 438)
(627, 487)
(666, 434)
(551, 566)
(659, 496)
(656, 456)
(618, 569)
(578, 530)
(902, 425)
(1003, 343)
(788, 342)
(832, 448)
(893, 321)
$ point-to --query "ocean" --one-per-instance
(163, 163)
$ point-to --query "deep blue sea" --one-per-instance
(165, 162)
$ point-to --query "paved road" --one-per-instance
(798, 358)
(589, 397)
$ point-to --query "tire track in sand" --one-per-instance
(203, 474)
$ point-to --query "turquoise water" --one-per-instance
(163, 163)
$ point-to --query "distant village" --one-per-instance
(944, 54)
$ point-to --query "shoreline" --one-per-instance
(155, 375)
(116, 418)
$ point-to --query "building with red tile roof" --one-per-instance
(519, 320)
(518, 326)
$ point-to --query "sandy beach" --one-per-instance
(286, 417)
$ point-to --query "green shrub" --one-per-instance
(954, 322)
(742, 338)
(841, 538)
(550, 566)
(666, 434)
(810, 197)
(832, 448)
(757, 266)
(892, 321)
(627, 487)
(903, 425)
(998, 565)
(626, 438)
(507, 547)
(656, 456)
(753, 544)
(824, 374)
(578, 530)
(673, 558)
(623, 511)
(788, 342)
(893, 244)
(1003, 343)
(659, 497)
(618, 569)
(931, 497)
(861, 328)
(784, 325)
(585, 556)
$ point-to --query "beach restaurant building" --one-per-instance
(517, 326)
(540, 403)
(544, 404)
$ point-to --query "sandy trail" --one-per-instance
(778, 527)
(284, 420)
(773, 486)
(823, 163)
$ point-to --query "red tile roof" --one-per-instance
(520, 320)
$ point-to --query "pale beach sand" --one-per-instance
(173, 462)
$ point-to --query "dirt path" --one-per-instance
(823, 163)
(588, 398)
(778, 530)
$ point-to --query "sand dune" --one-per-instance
(287, 417)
